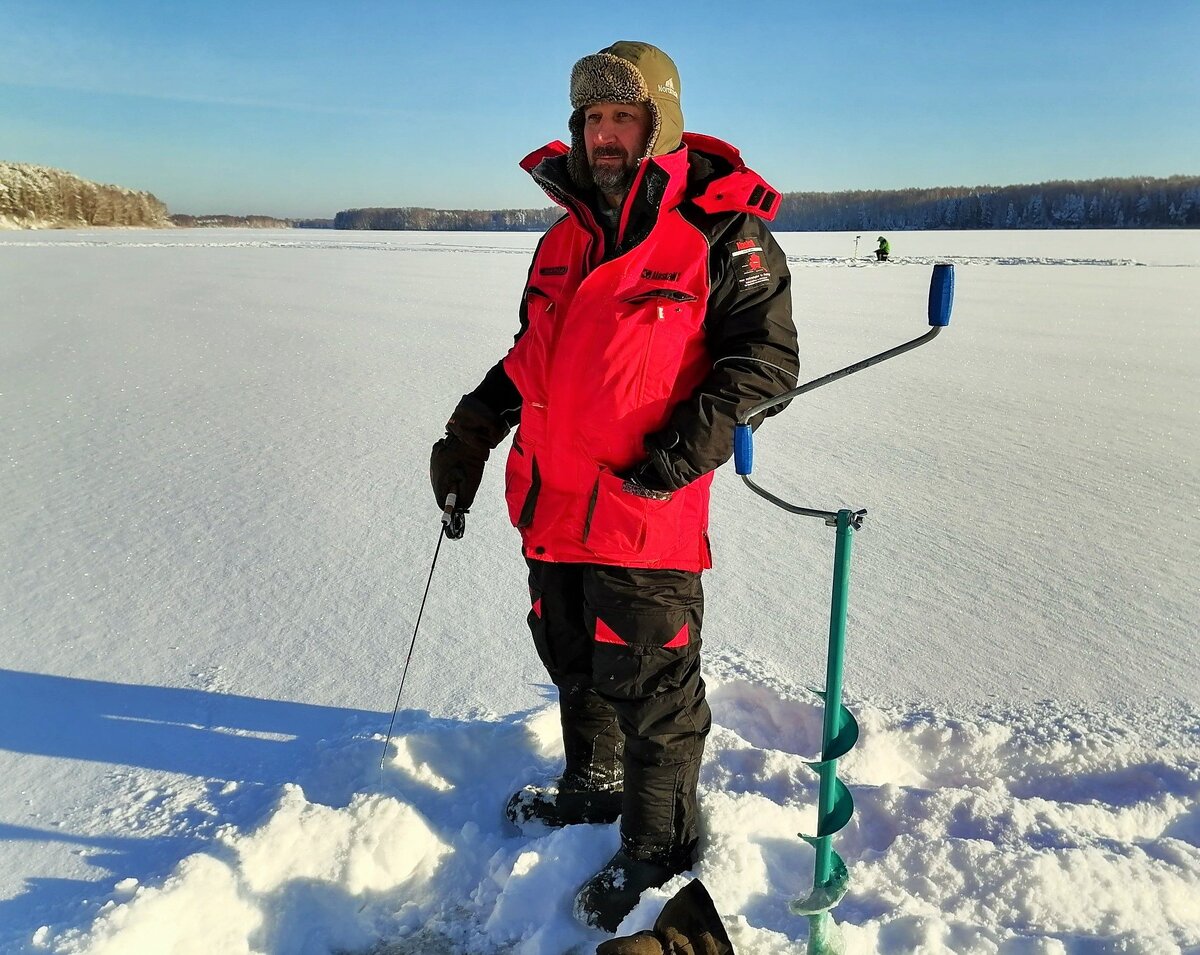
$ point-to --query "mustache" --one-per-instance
(605, 152)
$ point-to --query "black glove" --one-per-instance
(457, 460)
(645, 481)
(456, 467)
(657, 474)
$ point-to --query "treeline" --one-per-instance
(227, 221)
(246, 222)
(1129, 203)
(448, 220)
(1095, 204)
(33, 197)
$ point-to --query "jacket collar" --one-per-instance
(704, 169)
(548, 166)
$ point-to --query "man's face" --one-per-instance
(615, 136)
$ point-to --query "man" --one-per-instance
(656, 311)
(884, 250)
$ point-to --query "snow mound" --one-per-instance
(1017, 830)
(302, 882)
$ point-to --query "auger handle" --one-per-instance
(941, 295)
(743, 449)
(941, 300)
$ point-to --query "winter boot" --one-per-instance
(608, 896)
(591, 786)
(563, 804)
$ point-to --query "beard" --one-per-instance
(610, 177)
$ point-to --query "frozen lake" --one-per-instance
(216, 513)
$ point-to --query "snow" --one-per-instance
(216, 528)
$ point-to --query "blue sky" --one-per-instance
(304, 108)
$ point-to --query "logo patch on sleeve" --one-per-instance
(749, 263)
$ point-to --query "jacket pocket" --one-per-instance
(540, 312)
(624, 525)
(658, 323)
(522, 483)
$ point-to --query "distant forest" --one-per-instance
(1094, 204)
(38, 197)
(221, 221)
(449, 220)
(1130, 203)
(225, 221)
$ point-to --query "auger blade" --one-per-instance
(824, 897)
(847, 734)
(839, 815)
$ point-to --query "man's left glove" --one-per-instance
(658, 474)
(457, 460)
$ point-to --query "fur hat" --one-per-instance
(626, 72)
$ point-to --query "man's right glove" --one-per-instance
(457, 460)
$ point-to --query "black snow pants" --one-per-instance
(623, 647)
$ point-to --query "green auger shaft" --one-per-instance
(833, 697)
(835, 805)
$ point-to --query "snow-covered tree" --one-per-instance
(39, 197)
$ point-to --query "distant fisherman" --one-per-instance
(657, 310)
(885, 247)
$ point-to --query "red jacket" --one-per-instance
(616, 346)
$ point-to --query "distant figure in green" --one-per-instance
(881, 254)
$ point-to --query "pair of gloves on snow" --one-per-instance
(457, 460)
(688, 925)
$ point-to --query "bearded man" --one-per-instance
(657, 309)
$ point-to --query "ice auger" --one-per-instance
(835, 805)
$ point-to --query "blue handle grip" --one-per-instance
(941, 294)
(743, 449)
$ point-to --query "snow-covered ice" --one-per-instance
(216, 526)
